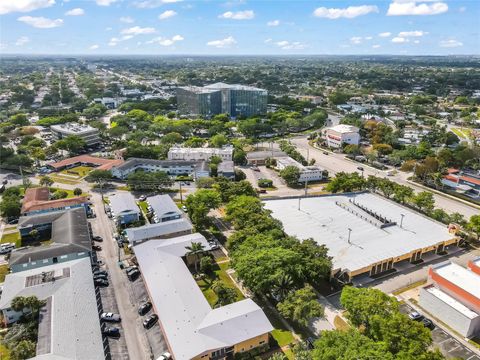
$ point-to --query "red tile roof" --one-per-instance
(38, 199)
(470, 179)
(102, 163)
(36, 194)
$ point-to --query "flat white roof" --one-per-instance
(343, 128)
(186, 150)
(190, 325)
(447, 299)
(74, 328)
(150, 231)
(123, 202)
(460, 276)
(327, 223)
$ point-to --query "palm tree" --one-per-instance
(283, 286)
(46, 181)
(195, 250)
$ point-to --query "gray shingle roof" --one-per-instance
(151, 231)
(162, 205)
(123, 202)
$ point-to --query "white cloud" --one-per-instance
(137, 30)
(108, 29)
(416, 41)
(287, 45)
(167, 14)
(223, 43)
(127, 19)
(105, 2)
(22, 40)
(126, 37)
(150, 4)
(75, 12)
(356, 40)
(238, 15)
(415, 7)
(416, 33)
(368, 37)
(268, 41)
(349, 12)
(273, 23)
(385, 34)
(9, 6)
(113, 41)
(41, 22)
(462, 9)
(399, 40)
(94, 47)
(376, 46)
(166, 41)
(450, 43)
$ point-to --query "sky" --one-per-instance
(240, 27)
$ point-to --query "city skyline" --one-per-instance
(176, 27)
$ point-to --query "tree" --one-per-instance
(291, 175)
(206, 264)
(351, 149)
(31, 303)
(10, 206)
(196, 249)
(225, 294)
(199, 204)
(424, 201)
(240, 209)
(284, 284)
(73, 144)
(99, 176)
(172, 138)
(59, 194)
(277, 356)
(301, 306)
(264, 183)
(149, 180)
(77, 191)
(474, 225)
(402, 193)
(218, 140)
(25, 349)
(19, 120)
(46, 181)
(363, 303)
(346, 182)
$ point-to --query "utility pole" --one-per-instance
(181, 195)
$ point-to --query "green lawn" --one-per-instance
(220, 273)
(70, 193)
(4, 352)
(62, 180)
(3, 273)
(144, 206)
(12, 237)
(79, 171)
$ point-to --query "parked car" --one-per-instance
(325, 152)
(428, 323)
(97, 238)
(213, 245)
(130, 268)
(142, 198)
(110, 317)
(415, 316)
(100, 272)
(150, 321)
(5, 182)
(133, 275)
(360, 168)
(7, 248)
(184, 208)
(101, 282)
(100, 276)
(165, 356)
(97, 248)
(111, 331)
(255, 168)
(144, 308)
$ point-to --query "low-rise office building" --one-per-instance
(260, 157)
(69, 234)
(192, 329)
(124, 208)
(163, 208)
(200, 154)
(163, 230)
(365, 233)
(37, 201)
(307, 173)
(452, 295)
(195, 169)
(69, 325)
(226, 169)
(338, 135)
(86, 160)
(86, 132)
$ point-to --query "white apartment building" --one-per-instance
(339, 134)
(200, 154)
(86, 132)
(307, 173)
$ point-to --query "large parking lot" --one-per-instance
(448, 345)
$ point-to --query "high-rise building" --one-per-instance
(220, 98)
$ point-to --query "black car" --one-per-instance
(428, 323)
(144, 308)
(101, 282)
(97, 238)
(111, 331)
(130, 269)
(100, 272)
(150, 321)
(133, 275)
(100, 276)
(96, 248)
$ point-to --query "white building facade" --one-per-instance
(200, 154)
(335, 136)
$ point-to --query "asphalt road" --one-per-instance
(336, 163)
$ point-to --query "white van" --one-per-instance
(6, 248)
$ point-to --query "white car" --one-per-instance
(165, 356)
(7, 248)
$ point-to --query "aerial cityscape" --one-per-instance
(239, 179)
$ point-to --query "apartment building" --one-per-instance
(200, 154)
(86, 132)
